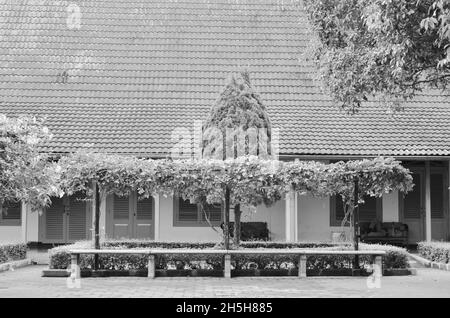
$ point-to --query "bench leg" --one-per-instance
(151, 266)
(227, 268)
(302, 266)
(74, 267)
(378, 266)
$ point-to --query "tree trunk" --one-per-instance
(97, 225)
(226, 214)
(356, 223)
(237, 224)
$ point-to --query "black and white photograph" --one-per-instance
(224, 156)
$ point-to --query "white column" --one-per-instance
(24, 215)
(291, 217)
(427, 202)
(156, 217)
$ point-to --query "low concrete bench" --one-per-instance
(75, 257)
(302, 254)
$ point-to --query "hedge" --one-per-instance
(435, 251)
(12, 252)
(60, 259)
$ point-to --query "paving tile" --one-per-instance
(27, 282)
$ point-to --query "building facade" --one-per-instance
(133, 77)
(295, 218)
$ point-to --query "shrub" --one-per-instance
(12, 252)
(435, 251)
(59, 258)
(396, 257)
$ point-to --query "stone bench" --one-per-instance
(302, 254)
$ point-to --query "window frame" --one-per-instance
(335, 222)
(198, 223)
(9, 222)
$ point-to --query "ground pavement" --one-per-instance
(27, 282)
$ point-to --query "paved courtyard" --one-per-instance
(27, 282)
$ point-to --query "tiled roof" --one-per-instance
(138, 68)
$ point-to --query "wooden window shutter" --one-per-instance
(54, 220)
(187, 212)
(214, 213)
(77, 218)
(144, 209)
(368, 210)
(412, 201)
(121, 207)
(437, 196)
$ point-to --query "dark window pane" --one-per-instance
(188, 212)
(412, 200)
(11, 211)
(214, 213)
(368, 210)
(437, 196)
(340, 213)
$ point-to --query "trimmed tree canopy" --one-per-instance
(237, 110)
(377, 47)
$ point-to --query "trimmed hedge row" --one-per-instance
(12, 252)
(60, 259)
(435, 251)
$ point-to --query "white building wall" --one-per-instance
(314, 219)
(390, 207)
(314, 216)
(10, 233)
(32, 226)
(170, 233)
(273, 215)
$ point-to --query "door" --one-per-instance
(76, 215)
(121, 217)
(132, 218)
(412, 207)
(55, 222)
(65, 220)
(439, 203)
(143, 227)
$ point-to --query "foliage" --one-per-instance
(25, 174)
(59, 258)
(390, 49)
(238, 109)
(435, 251)
(12, 252)
(252, 181)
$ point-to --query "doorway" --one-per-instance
(131, 218)
(66, 220)
(412, 205)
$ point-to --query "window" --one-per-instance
(188, 214)
(437, 190)
(369, 211)
(11, 213)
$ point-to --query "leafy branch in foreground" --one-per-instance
(375, 48)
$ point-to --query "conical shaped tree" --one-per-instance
(237, 125)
